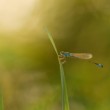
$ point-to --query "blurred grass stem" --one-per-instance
(65, 102)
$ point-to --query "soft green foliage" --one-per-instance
(1, 101)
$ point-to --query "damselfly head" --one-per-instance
(62, 59)
(62, 52)
(65, 54)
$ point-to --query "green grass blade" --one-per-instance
(52, 41)
(65, 102)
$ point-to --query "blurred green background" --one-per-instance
(29, 70)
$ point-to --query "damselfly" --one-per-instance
(63, 55)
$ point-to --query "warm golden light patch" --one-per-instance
(13, 13)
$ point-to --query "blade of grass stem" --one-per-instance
(65, 102)
(52, 41)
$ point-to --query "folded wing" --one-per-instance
(82, 55)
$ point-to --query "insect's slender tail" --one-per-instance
(97, 64)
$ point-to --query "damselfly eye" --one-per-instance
(62, 52)
(62, 59)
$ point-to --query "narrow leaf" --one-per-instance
(65, 103)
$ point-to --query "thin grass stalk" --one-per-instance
(65, 102)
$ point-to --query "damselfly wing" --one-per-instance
(82, 55)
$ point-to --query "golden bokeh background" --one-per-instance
(29, 70)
